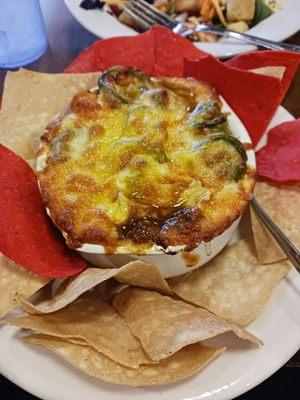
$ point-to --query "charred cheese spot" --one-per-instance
(130, 170)
(85, 104)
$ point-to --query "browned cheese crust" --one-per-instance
(142, 162)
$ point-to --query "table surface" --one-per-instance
(67, 38)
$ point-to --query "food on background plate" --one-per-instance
(235, 15)
(143, 165)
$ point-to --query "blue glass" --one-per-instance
(23, 36)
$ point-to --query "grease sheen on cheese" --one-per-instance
(136, 173)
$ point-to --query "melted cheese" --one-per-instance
(105, 167)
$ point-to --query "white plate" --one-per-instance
(233, 373)
(279, 26)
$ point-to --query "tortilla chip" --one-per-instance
(81, 342)
(170, 50)
(275, 71)
(158, 52)
(282, 203)
(232, 285)
(279, 159)
(74, 288)
(165, 325)
(30, 101)
(141, 274)
(181, 365)
(136, 273)
(128, 51)
(27, 235)
(90, 319)
(16, 284)
(267, 58)
(31, 162)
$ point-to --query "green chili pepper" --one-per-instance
(206, 115)
(160, 97)
(238, 146)
(110, 78)
(262, 11)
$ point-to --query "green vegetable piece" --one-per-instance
(262, 11)
(238, 146)
(109, 79)
(171, 7)
(235, 143)
(206, 115)
(160, 97)
(161, 157)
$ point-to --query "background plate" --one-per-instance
(279, 26)
(241, 367)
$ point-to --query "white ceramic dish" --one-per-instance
(169, 265)
(174, 265)
(238, 370)
(279, 26)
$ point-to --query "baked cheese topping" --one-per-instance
(142, 162)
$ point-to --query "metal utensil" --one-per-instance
(288, 248)
(145, 16)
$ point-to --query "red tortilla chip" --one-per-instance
(170, 51)
(26, 234)
(129, 51)
(259, 59)
(157, 52)
(254, 98)
(279, 160)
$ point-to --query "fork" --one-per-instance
(145, 16)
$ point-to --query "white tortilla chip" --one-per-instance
(282, 204)
(165, 325)
(181, 365)
(273, 71)
(94, 321)
(233, 285)
(30, 101)
(136, 273)
(16, 284)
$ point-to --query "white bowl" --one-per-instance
(174, 265)
(170, 265)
